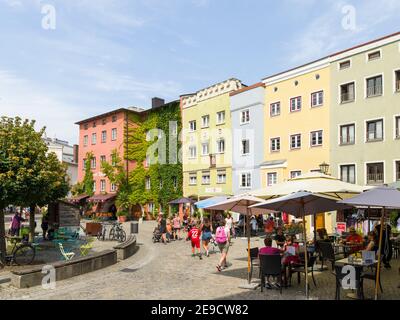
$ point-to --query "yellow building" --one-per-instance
(296, 129)
(207, 141)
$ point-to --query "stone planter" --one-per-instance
(93, 228)
(122, 219)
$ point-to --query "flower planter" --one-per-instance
(122, 219)
(93, 228)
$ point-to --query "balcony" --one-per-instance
(374, 91)
(375, 178)
(347, 97)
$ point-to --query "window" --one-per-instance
(345, 65)
(221, 177)
(245, 147)
(193, 179)
(347, 134)
(148, 183)
(374, 86)
(173, 128)
(397, 170)
(103, 136)
(317, 99)
(275, 144)
(93, 163)
(205, 149)
(275, 109)
(113, 160)
(397, 81)
(94, 186)
(245, 180)
(221, 117)
(103, 159)
(192, 126)
(94, 124)
(113, 187)
(295, 141)
(347, 92)
(102, 185)
(374, 55)
(85, 126)
(375, 130)
(175, 182)
(295, 104)
(316, 138)
(114, 118)
(245, 117)
(94, 138)
(205, 178)
(221, 146)
(397, 127)
(192, 152)
(114, 134)
(150, 207)
(375, 174)
(205, 121)
(85, 141)
(104, 121)
(294, 174)
(348, 173)
(147, 161)
(272, 178)
(84, 164)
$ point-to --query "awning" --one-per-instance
(182, 201)
(102, 198)
(77, 199)
(209, 202)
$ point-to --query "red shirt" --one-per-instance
(194, 234)
(269, 251)
(354, 238)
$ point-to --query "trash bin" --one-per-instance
(134, 227)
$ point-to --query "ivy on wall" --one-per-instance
(162, 189)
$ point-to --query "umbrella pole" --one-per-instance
(248, 246)
(305, 247)
(378, 273)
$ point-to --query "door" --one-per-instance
(320, 221)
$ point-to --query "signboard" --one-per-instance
(340, 227)
(368, 257)
(68, 215)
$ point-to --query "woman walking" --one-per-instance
(206, 229)
(177, 227)
(222, 238)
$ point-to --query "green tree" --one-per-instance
(29, 175)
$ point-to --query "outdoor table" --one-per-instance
(357, 263)
(345, 248)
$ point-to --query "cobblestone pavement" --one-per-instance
(163, 272)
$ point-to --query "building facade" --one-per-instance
(207, 141)
(365, 113)
(247, 114)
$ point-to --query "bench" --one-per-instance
(127, 248)
(33, 276)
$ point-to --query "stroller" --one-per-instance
(157, 235)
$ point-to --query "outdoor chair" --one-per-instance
(339, 278)
(67, 255)
(301, 268)
(85, 248)
(327, 252)
(371, 276)
(270, 265)
(254, 261)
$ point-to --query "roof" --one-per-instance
(131, 109)
(102, 198)
(247, 88)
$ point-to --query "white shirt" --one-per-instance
(228, 223)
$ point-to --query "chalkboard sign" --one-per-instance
(68, 215)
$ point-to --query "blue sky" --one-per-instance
(106, 54)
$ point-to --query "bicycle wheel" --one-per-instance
(111, 235)
(121, 236)
(99, 235)
(24, 255)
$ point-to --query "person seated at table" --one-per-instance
(354, 238)
(372, 243)
(289, 258)
(269, 250)
(280, 238)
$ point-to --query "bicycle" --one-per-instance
(22, 253)
(117, 233)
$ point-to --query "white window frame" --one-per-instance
(297, 99)
(246, 114)
(85, 140)
(219, 113)
(208, 149)
(340, 133)
(311, 138)
(218, 146)
(93, 163)
(191, 177)
(340, 92)
(366, 163)
(366, 130)
(94, 139)
(113, 187)
(103, 185)
(274, 107)
(242, 147)
(104, 136)
(318, 99)
(271, 144)
(148, 183)
(192, 155)
(192, 126)
(103, 158)
(293, 171)
(247, 174)
(219, 175)
(343, 61)
(396, 129)
(203, 124)
(394, 169)
(114, 134)
(267, 178)
(297, 147)
(373, 51)
(94, 186)
(394, 80)
(347, 165)
(206, 182)
(366, 85)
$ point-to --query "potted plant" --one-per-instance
(122, 216)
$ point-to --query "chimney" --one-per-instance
(76, 153)
(157, 102)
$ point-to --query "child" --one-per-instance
(194, 236)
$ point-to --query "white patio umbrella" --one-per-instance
(300, 204)
(241, 204)
(380, 197)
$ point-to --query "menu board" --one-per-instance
(340, 227)
(68, 215)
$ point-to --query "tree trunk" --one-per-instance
(3, 245)
(32, 208)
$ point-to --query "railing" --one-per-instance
(375, 178)
(347, 97)
(373, 91)
(373, 136)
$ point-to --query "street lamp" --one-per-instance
(324, 168)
